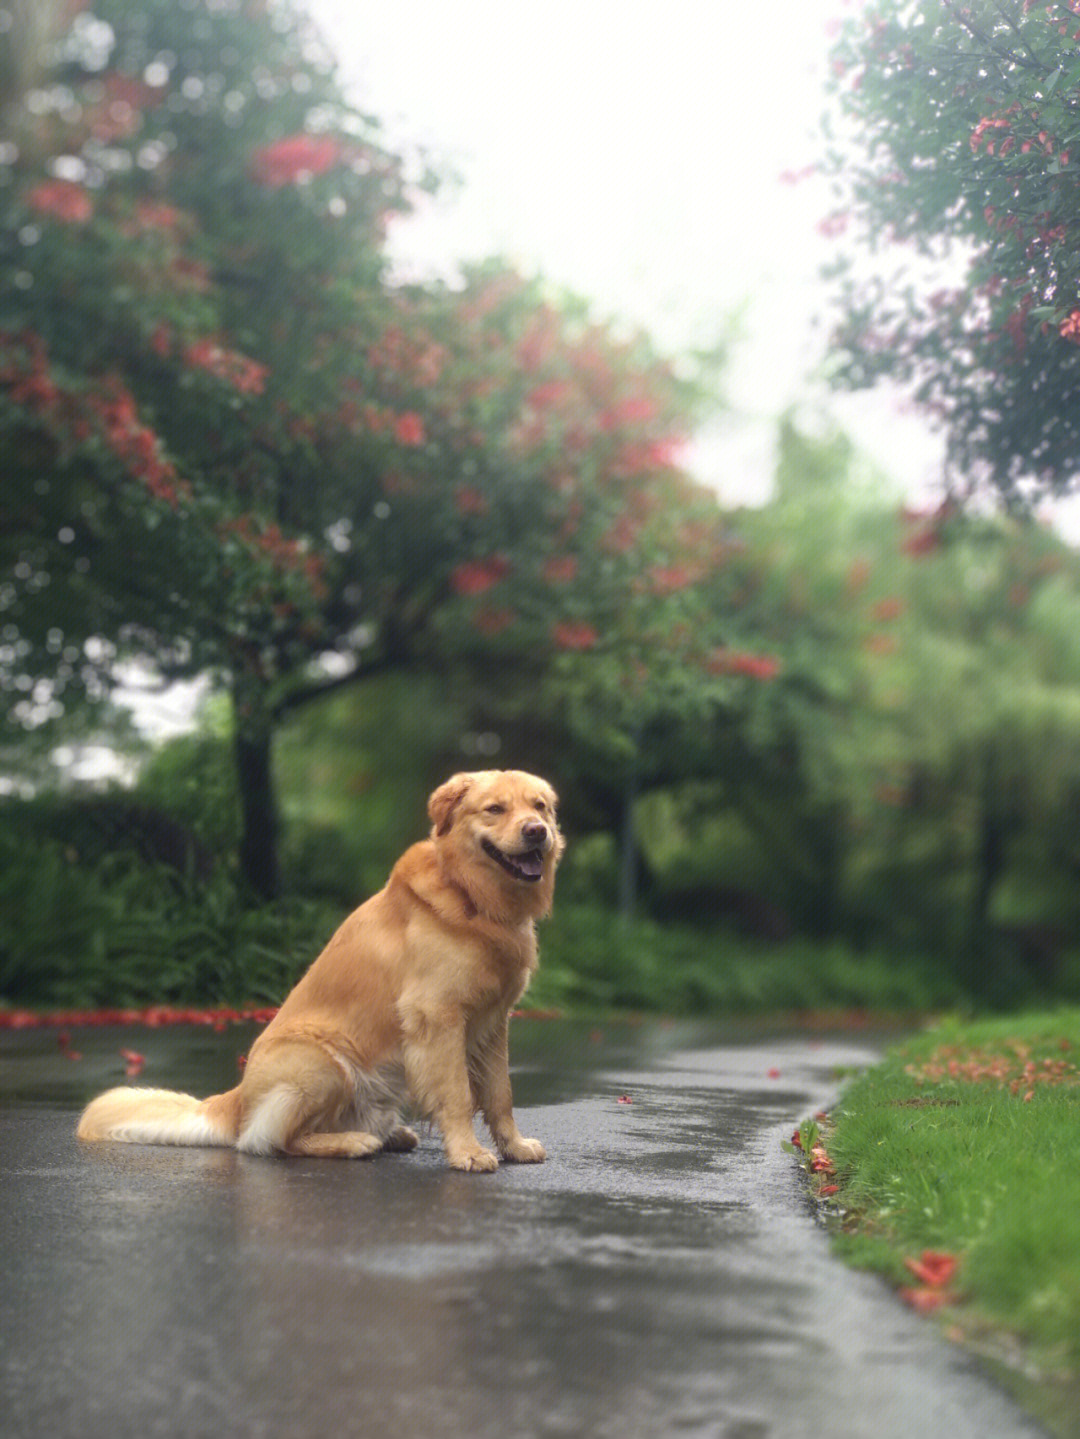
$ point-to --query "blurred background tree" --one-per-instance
(955, 144)
(820, 751)
(237, 449)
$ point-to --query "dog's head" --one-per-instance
(503, 822)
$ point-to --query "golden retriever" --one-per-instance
(409, 1003)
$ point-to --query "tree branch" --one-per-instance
(318, 689)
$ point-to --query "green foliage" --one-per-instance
(964, 119)
(193, 778)
(116, 930)
(591, 961)
(354, 773)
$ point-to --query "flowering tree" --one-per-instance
(966, 120)
(234, 447)
(192, 222)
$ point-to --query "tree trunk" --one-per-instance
(259, 867)
(628, 851)
(985, 972)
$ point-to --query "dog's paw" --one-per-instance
(400, 1140)
(524, 1151)
(474, 1161)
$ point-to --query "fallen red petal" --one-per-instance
(933, 1268)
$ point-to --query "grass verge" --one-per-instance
(962, 1146)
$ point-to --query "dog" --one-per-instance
(408, 1004)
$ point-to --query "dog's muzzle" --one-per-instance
(528, 865)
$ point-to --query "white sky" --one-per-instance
(634, 155)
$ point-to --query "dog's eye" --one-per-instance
(494, 809)
(540, 805)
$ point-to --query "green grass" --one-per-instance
(941, 1148)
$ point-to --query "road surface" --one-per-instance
(661, 1275)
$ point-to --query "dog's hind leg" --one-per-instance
(300, 1099)
(350, 1144)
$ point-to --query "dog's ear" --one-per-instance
(445, 800)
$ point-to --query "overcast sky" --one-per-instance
(637, 156)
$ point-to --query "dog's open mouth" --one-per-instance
(528, 865)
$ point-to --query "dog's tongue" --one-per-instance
(530, 863)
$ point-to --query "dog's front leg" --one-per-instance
(491, 1071)
(438, 1077)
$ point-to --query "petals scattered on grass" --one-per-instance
(1011, 1067)
(933, 1267)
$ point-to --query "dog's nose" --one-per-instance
(533, 832)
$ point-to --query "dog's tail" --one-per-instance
(161, 1116)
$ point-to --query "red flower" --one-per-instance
(553, 392)
(734, 662)
(832, 225)
(666, 579)
(474, 577)
(294, 159)
(638, 409)
(157, 215)
(63, 200)
(409, 429)
(574, 635)
(245, 375)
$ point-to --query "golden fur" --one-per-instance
(408, 1003)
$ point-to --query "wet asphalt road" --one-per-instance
(662, 1274)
